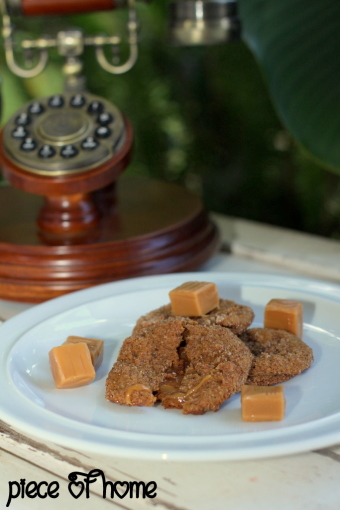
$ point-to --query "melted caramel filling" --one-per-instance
(195, 388)
(135, 387)
(170, 389)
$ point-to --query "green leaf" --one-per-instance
(298, 44)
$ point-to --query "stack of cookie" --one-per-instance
(196, 362)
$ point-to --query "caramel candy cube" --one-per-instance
(262, 403)
(284, 314)
(96, 347)
(193, 299)
(71, 365)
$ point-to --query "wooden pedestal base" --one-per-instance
(146, 227)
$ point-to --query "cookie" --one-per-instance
(217, 364)
(142, 363)
(237, 318)
(278, 355)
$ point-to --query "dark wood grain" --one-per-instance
(69, 204)
(147, 227)
(70, 213)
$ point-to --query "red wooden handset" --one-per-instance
(61, 7)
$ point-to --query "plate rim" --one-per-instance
(30, 318)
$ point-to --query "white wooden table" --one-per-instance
(306, 481)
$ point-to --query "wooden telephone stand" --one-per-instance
(62, 230)
(67, 222)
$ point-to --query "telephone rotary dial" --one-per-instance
(64, 134)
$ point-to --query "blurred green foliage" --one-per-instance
(203, 118)
(297, 43)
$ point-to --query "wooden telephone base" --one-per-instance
(62, 233)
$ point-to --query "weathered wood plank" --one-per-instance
(297, 251)
(308, 478)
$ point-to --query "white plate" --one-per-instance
(82, 419)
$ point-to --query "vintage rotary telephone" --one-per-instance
(64, 222)
(66, 134)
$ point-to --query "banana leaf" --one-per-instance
(297, 43)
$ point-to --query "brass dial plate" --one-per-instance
(64, 134)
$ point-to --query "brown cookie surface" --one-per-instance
(142, 363)
(229, 314)
(217, 364)
(278, 355)
(237, 318)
